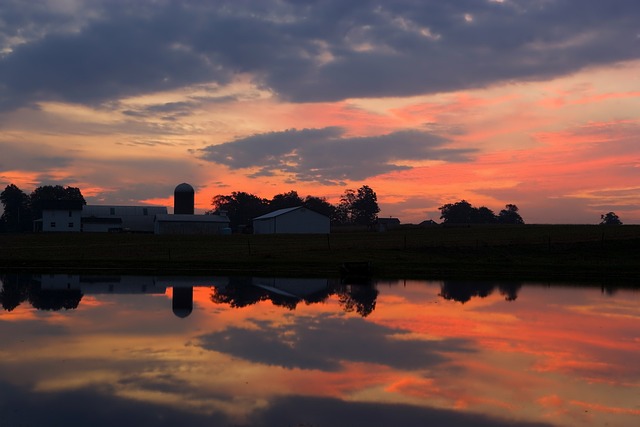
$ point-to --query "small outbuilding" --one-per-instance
(190, 224)
(296, 220)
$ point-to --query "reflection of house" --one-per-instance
(292, 220)
(190, 224)
(60, 215)
(103, 218)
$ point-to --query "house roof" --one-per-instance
(191, 218)
(62, 205)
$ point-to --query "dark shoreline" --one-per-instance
(533, 252)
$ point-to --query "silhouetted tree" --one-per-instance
(285, 200)
(359, 298)
(358, 207)
(610, 218)
(54, 299)
(483, 215)
(52, 192)
(17, 212)
(464, 291)
(320, 205)
(510, 215)
(364, 209)
(14, 291)
(458, 213)
(241, 207)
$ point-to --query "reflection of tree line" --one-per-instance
(237, 292)
(19, 288)
(463, 291)
(242, 292)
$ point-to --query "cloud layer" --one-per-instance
(329, 156)
(303, 51)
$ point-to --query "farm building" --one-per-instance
(190, 224)
(385, 224)
(60, 215)
(103, 218)
(297, 220)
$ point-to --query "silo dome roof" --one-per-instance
(184, 188)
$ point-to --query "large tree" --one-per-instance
(240, 207)
(457, 213)
(463, 212)
(52, 192)
(610, 218)
(510, 215)
(17, 213)
(320, 205)
(285, 200)
(358, 207)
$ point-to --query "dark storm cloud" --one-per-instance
(304, 51)
(324, 345)
(327, 155)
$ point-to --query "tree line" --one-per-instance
(356, 207)
(463, 212)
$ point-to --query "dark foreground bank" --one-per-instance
(535, 251)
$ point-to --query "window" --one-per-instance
(112, 211)
(145, 211)
(70, 225)
(53, 225)
(70, 214)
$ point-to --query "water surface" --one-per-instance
(203, 351)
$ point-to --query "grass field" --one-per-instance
(580, 251)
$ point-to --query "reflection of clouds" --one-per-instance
(333, 412)
(326, 342)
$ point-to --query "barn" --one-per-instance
(190, 224)
(297, 220)
(103, 218)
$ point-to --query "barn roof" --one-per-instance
(278, 212)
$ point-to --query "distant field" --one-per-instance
(542, 250)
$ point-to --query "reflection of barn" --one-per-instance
(297, 220)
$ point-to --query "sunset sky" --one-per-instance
(531, 102)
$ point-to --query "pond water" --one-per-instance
(203, 351)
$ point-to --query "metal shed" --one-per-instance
(190, 224)
(297, 220)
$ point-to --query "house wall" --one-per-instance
(61, 220)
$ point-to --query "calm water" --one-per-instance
(141, 351)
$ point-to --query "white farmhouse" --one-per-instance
(60, 215)
(297, 220)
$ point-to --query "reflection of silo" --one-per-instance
(183, 199)
(182, 303)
